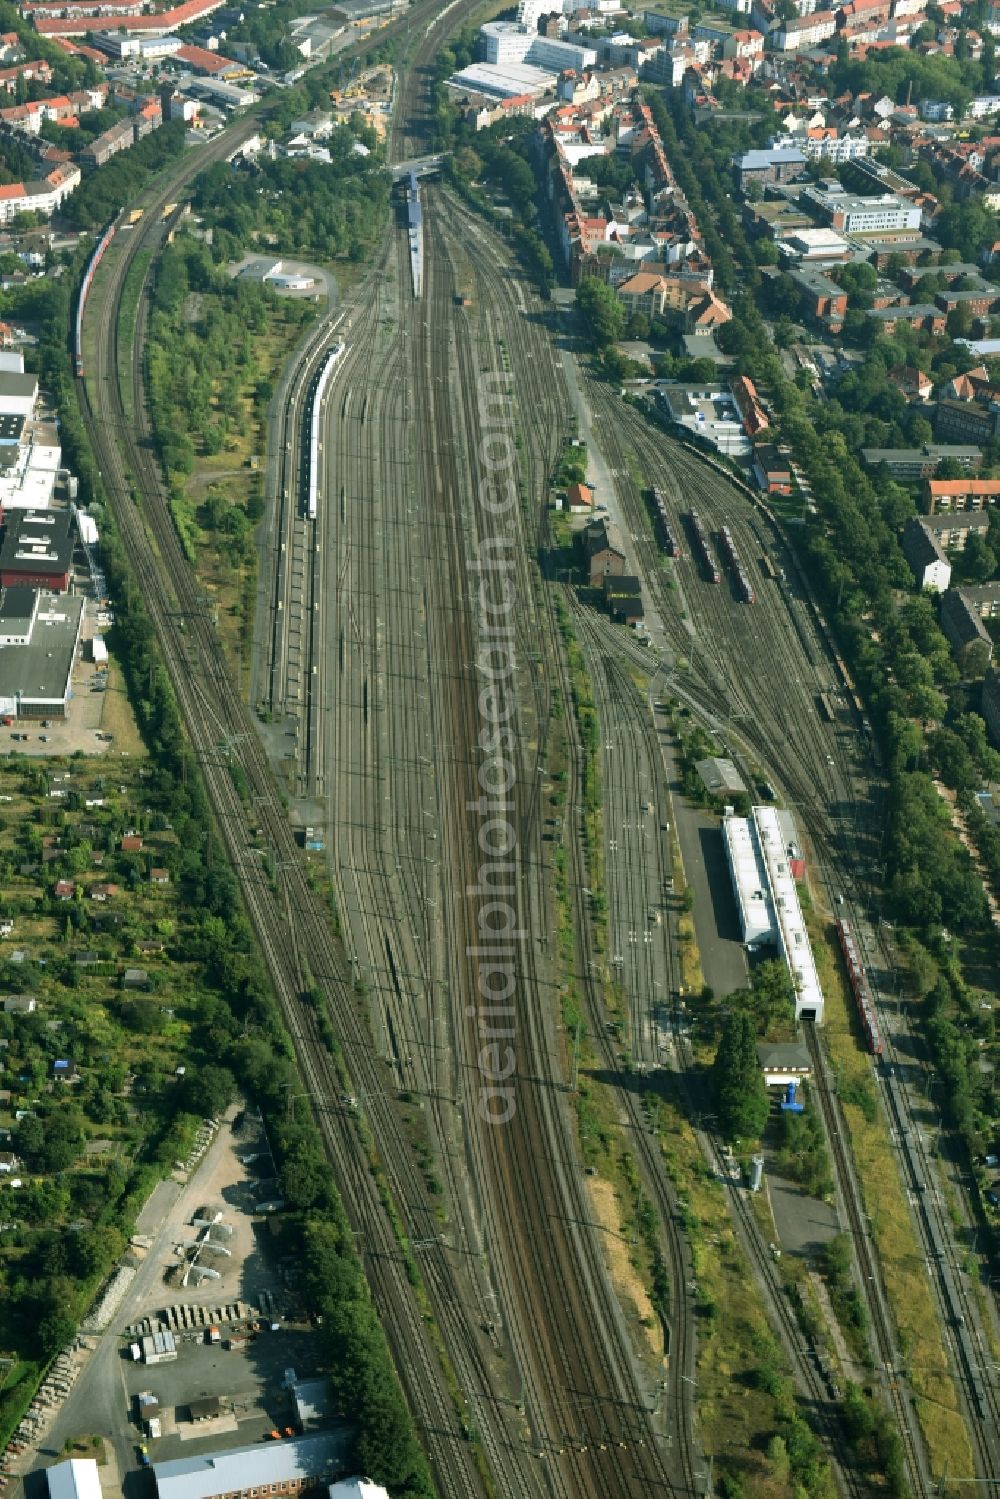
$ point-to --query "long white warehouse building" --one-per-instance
(768, 901)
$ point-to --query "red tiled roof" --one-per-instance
(204, 60)
(167, 20)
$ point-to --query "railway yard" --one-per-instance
(417, 426)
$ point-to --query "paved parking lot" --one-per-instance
(249, 1380)
(86, 711)
(260, 1273)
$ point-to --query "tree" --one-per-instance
(210, 1091)
(738, 1082)
(602, 313)
(979, 560)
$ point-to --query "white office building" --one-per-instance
(506, 43)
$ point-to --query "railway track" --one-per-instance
(603, 641)
(839, 809)
(869, 1270)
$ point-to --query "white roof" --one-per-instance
(76, 1479)
(793, 939)
(506, 80)
(357, 1488)
(749, 881)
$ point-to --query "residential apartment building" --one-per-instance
(990, 706)
(924, 553)
(944, 495)
(826, 143)
(922, 316)
(911, 464)
(42, 196)
(951, 532)
(803, 32)
(824, 301)
(963, 611)
(966, 421)
(778, 163)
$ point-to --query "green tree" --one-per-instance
(602, 313)
(737, 1080)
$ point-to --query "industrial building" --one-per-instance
(76, 1479)
(709, 411)
(37, 550)
(720, 777)
(36, 674)
(290, 1467)
(762, 865)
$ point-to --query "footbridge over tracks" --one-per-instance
(418, 166)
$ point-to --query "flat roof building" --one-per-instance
(77, 1479)
(18, 607)
(37, 550)
(357, 1488)
(36, 679)
(910, 464)
(749, 877)
(761, 868)
(793, 939)
(18, 393)
(299, 1464)
(508, 80)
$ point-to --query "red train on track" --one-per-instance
(860, 987)
(84, 293)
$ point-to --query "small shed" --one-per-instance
(205, 1409)
(20, 1004)
(783, 1062)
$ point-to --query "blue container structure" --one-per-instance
(792, 1103)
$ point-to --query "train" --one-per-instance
(860, 987)
(665, 533)
(826, 707)
(415, 229)
(744, 587)
(319, 391)
(703, 548)
(768, 568)
(84, 293)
